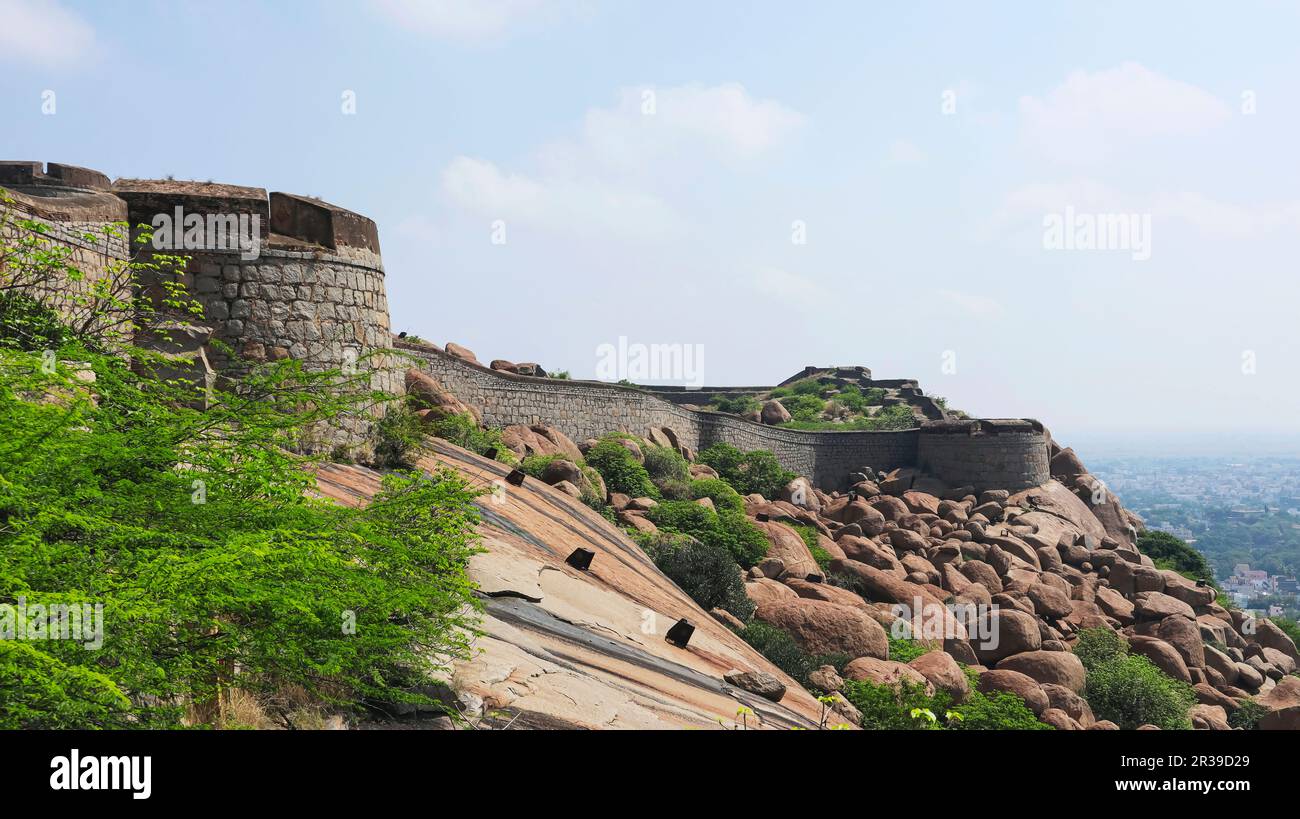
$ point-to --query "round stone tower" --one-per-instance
(291, 277)
(76, 211)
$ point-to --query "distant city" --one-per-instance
(1243, 514)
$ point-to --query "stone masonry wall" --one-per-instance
(1011, 456)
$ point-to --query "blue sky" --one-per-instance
(924, 227)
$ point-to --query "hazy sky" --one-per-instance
(653, 164)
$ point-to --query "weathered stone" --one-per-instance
(827, 628)
(756, 682)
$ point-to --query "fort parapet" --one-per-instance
(1004, 454)
(312, 290)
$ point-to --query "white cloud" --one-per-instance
(902, 152)
(788, 288)
(1199, 215)
(971, 303)
(1092, 116)
(720, 122)
(461, 19)
(571, 206)
(43, 33)
(608, 176)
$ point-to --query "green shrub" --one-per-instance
(781, 650)
(463, 431)
(621, 471)
(995, 711)
(705, 572)
(674, 490)
(251, 582)
(664, 464)
(885, 708)
(25, 324)
(397, 438)
(718, 491)
(1098, 645)
(737, 405)
(757, 471)
(851, 398)
(535, 465)
(1247, 717)
(905, 649)
(804, 407)
(1130, 691)
(910, 708)
(898, 416)
(727, 529)
(1173, 553)
(809, 386)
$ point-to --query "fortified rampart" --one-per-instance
(1005, 454)
(311, 289)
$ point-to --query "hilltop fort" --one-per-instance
(313, 288)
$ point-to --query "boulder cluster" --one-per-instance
(1037, 566)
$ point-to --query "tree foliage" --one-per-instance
(197, 532)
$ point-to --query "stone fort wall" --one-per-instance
(985, 454)
(315, 292)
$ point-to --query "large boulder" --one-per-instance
(885, 672)
(1269, 635)
(1165, 656)
(774, 412)
(1222, 663)
(1071, 702)
(800, 493)
(1049, 601)
(1283, 704)
(1208, 717)
(1185, 636)
(539, 439)
(1157, 606)
(831, 594)
(827, 628)
(786, 545)
(1186, 590)
(463, 353)
(882, 586)
(1130, 579)
(1113, 604)
(1055, 511)
(433, 400)
(943, 673)
(762, 683)
(1066, 464)
(1013, 682)
(1004, 632)
(1044, 667)
(977, 571)
(764, 591)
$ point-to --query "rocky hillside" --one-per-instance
(900, 584)
(563, 647)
